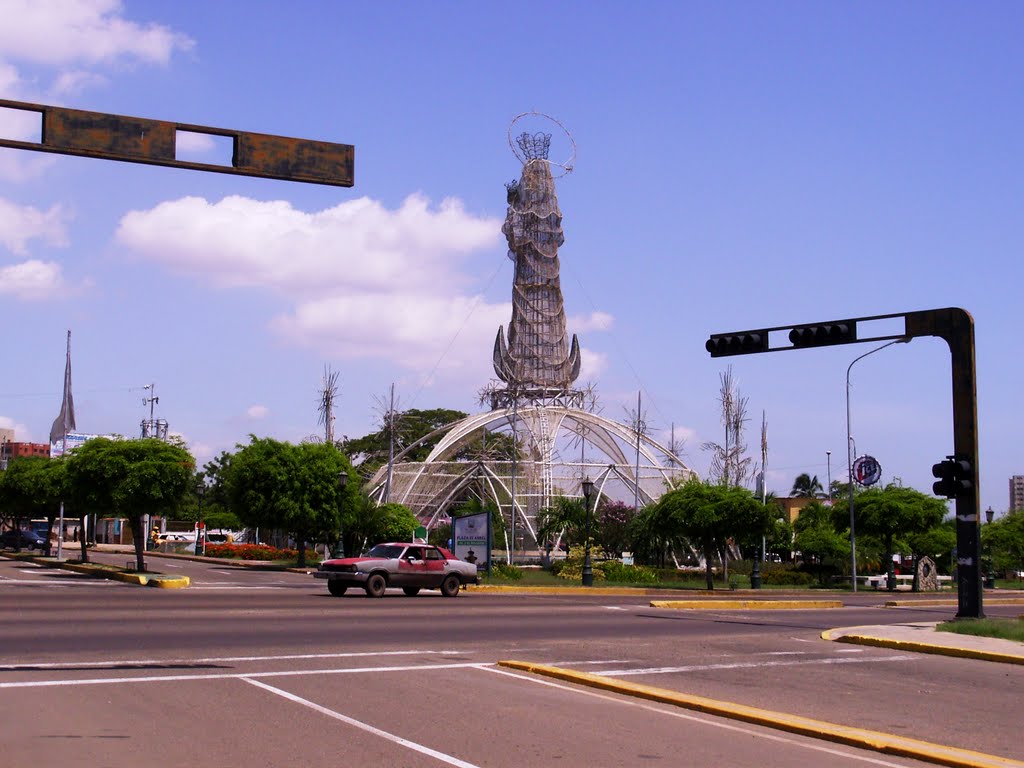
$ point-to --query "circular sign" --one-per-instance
(867, 470)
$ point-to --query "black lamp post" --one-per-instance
(990, 576)
(339, 550)
(200, 538)
(755, 570)
(588, 570)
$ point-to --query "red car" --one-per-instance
(410, 566)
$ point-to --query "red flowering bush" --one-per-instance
(250, 552)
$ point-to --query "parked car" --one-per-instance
(410, 566)
(21, 539)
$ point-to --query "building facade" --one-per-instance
(1016, 492)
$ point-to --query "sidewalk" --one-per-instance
(923, 637)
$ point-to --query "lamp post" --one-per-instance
(828, 459)
(200, 538)
(990, 576)
(588, 571)
(849, 456)
(342, 483)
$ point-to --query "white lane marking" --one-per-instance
(707, 720)
(746, 665)
(423, 750)
(228, 676)
(615, 608)
(214, 659)
(582, 663)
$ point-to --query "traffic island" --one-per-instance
(100, 571)
(860, 738)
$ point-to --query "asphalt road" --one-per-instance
(265, 668)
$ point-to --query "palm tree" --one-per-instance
(806, 486)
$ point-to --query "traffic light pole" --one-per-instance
(956, 327)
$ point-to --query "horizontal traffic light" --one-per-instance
(955, 478)
(824, 334)
(746, 343)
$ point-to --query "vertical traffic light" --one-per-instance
(955, 477)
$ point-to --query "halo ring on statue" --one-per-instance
(567, 166)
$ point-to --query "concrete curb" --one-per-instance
(876, 741)
(560, 590)
(909, 645)
(749, 605)
(141, 579)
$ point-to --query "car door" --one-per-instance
(434, 566)
(411, 568)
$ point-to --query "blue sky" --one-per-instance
(739, 165)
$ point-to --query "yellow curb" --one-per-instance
(558, 590)
(746, 604)
(909, 645)
(856, 737)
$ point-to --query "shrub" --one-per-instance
(614, 570)
(784, 574)
(250, 552)
(572, 566)
(506, 571)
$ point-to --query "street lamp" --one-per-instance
(588, 571)
(342, 482)
(990, 576)
(849, 456)
(828, 459)
(200, 539)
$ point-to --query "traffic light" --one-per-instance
(842, 332)
(746, 343)
(955, 478)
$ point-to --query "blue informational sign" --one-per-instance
(471, 539)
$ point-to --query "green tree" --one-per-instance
(806, 486)
(33, 487)
(413, 427)
(892, 511)
(565, 518)
(711, 516)
(130, 479)
(277, 485)
(1004, 538)
(380, 523)
(818, 541)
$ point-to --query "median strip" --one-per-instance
(855, 737)
(748, 605)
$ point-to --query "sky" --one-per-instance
(737, 165)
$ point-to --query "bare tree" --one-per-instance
(328, 394)
(729, 464)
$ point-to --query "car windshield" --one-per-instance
(387, 551)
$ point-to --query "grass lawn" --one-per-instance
(1007, 629)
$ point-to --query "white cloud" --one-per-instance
(365, 281)
(21, 432)
(190, 141)
(59, 32)
(257, 412)
(595, 321)
(19, 224)
(592, 365)
(33, 281)
(356, 246)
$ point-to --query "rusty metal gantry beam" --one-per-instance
(153, 142)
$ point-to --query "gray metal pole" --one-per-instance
(849, 457)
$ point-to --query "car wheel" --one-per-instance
(411, 591)
(336, 588)
(450, 585)
(375, 585)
